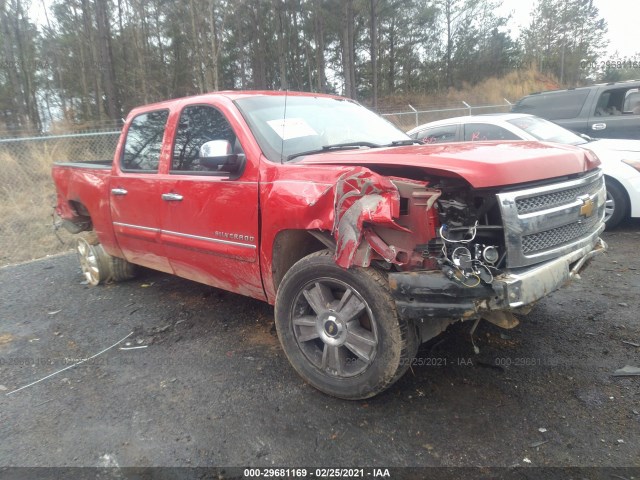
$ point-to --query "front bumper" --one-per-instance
(431, 295)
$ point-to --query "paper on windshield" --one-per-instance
(288, 128)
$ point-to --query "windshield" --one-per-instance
(547, 131)
(313, 125)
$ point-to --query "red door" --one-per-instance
(210, 216)
(135, 198)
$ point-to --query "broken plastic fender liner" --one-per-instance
(349, 232)
(363, 196)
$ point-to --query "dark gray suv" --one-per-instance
(609, 110)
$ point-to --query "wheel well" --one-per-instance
(290, 246)
(623, 190)
(81, 220)
(79, 208)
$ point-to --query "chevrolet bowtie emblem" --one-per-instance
(588, 205)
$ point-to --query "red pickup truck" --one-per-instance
(366, 243)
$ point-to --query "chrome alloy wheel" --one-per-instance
(88, 262)
(609, 206)
(334, 328)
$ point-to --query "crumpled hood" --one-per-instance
(482, 164)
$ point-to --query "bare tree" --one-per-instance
(348, 50)
(106, 60)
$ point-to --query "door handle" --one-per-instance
(172, 197)
(118, 192)
(598, 126)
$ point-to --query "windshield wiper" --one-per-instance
(397, 143)
(336, 146)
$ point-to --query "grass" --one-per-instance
(492, 91)
(27, 199)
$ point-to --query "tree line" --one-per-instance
(91, 61)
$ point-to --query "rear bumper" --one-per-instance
(429, 294)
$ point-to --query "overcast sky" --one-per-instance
(622, 16)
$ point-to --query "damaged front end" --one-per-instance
(454, 253)
(371, 220)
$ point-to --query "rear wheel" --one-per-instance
(616, 205)
(100, 267)
(340, 330)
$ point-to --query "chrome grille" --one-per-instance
(558, 236)
(545, 222)
(555, 199)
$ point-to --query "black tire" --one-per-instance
(616, 205)
(121, 270)
(351, 344)
(100, 267)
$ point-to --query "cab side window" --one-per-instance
(198, 125)
(144, 142)
(475, 132)
(447, 133)
(632, 102)
(553, 106)
(619, 101)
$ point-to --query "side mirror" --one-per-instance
(217, 155)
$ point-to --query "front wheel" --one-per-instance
(616, 205)
(340, 330)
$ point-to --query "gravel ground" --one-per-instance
(213, 388)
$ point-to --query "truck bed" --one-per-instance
(81, 188)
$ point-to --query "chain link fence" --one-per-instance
(413, 117)
(27, 193)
